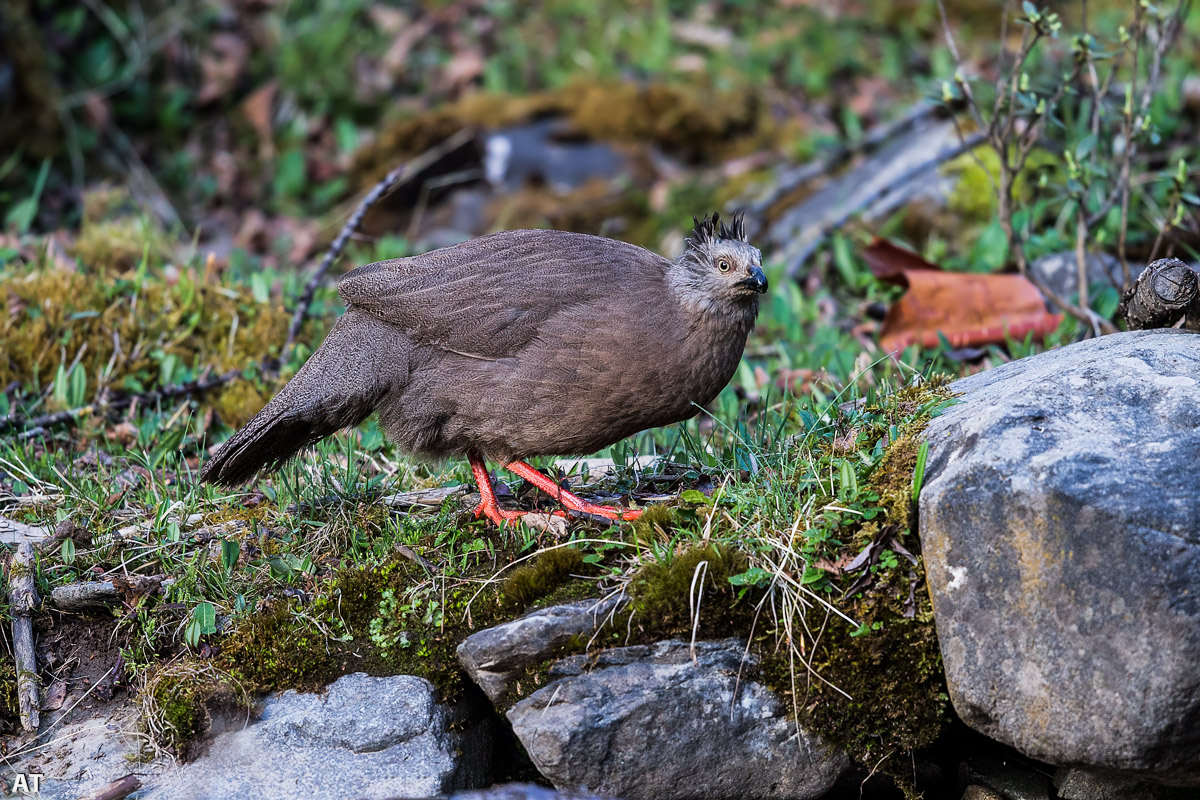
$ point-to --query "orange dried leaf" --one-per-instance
(969, 309)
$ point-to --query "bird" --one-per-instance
(518, 344)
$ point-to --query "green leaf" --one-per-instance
(67, 552)
(206, 615)
(812, 575)
(77, 387)
(990, 252)
(695, 496)
(22, 214)
(230, 550)
(260, 287)
(192, 632)
(754, 576)
(1085, 146)
(919, 470)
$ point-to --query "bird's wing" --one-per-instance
(489, 297)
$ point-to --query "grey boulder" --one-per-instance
(1060, 523)
(363, 738)
(497, 656)
(664, 721)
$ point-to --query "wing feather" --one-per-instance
(489, 297)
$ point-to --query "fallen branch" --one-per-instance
(82, 596)
(793, 178)
(22, 599)
(1163, 294)
(388, 184)
(119, 404)
(796, 260)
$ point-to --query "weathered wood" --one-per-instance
(13, 532)
(22, 599)
(82, 596)
(429, 498)
(1166, 291)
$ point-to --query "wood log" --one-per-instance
(22, 599)
(82, 596)
(1163, 294)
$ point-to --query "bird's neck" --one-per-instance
(703, 308)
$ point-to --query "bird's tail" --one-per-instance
(339, 386)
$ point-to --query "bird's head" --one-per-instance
(719, 271)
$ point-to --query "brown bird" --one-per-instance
(518, 344)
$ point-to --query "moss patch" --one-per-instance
(179, 701)
(132, 333)
(544, 576)
(693, 121)
(10, 706)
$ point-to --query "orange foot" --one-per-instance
(573, 503)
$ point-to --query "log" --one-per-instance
(1163, 294)
(82, 596)
(22, 599)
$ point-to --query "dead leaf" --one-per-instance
(968, 309)
(259, 110)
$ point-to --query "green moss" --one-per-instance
(10, 707)
(654, 523)
(974, 195)
(275, 649)
(661, 593)
(134, 332)
(542, 576)
(892, 670)
(385, 619)
(180, 698)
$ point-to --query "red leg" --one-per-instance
(488, 505)
(569, 499)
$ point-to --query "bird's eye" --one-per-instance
(723, 265)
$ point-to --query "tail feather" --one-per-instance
(339, 386)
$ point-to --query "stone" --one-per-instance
(495, 657)
(80, 753)
(1079, 784)
(1060, 525)
(661, 721)
(522, 791)
(366, 738)
(1011, 781)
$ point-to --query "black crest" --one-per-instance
(709, 229)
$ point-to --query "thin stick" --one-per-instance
(63, 417)
(390, 182)
(22, 599)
